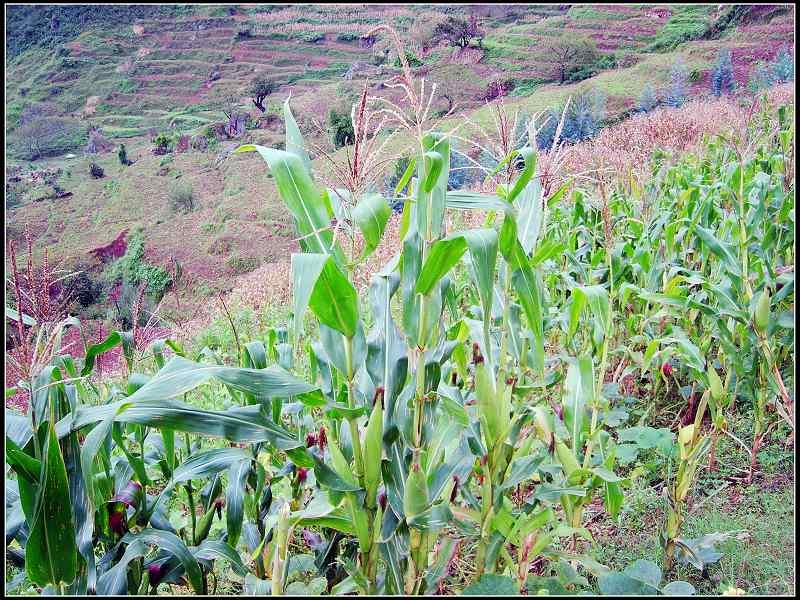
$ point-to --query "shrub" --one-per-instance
(244, 31)
(41, 136)
(687, 22)
(341, 128)
(678, 88)
(579, 73)
(125, 297)
(585, 114)
(648, 100)
(83, 287)
(347, 36)
(498, 89)
(411, 59)
(581, 122)
(221, 245)
(462, 171)
(783, 67)
(134, 269)
(242, 264)
(781, 70)
(722, 81)
(96, 171)
(181, 197)
(122, 154)
(163, 143)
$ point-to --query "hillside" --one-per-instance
(136, 73)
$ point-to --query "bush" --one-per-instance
(678, 87)
(579, 73)
(648, 100)
(411, 58)
(96, 171)
(242, 264)
(582, 121)
(261, 87)
(341, 128)
(85, 289)
(40, 135)
(124, 297)
(498, 89)
(122, 155)
(163, 143)
(783, 67)
(181, 198)
(347, 36)
(781, 70)
(572, 56)
(459, 32)
(133, 269)
(462, 171)
(722, 81)
(687, 22)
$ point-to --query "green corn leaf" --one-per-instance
(334, 300)
(432, 192)
(330, 479)
(234, 499)
(463, 200)
(303, 198)
(530, 215)
(306, 268)
(113, 340)
(443, 255)
(529, 155)
(415, 494)
(720, 249)
(172, 544)
(246, 424)
(371, 215)
(13, 314)
(294, 139)
(433, 168)
(51, 555)
(214, 550)
(409, 172)
(114, 582)
(528, 286)
(578, 394)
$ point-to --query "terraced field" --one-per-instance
(173, 74)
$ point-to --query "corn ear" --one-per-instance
(372, 453)
(415, 495)
(761, 319)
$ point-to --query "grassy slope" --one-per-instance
(239, 215)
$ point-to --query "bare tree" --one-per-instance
(39, 137)
(460, 32)
(568, 52)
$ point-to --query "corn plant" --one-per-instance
(433, 410)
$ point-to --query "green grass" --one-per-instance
(591, 13)
(687, 22)
(760, 562)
